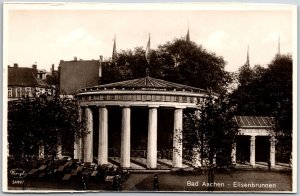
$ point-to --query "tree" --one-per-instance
(268, 93)
(46, 120)
(178, 61)
(187, 63)
(213, 131)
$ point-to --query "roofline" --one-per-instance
(185, 88)
(255, 127)
(138, 91)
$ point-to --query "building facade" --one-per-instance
(24, 81)
(78, 74)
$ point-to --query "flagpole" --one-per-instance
(147, 52)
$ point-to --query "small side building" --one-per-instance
(256, 140)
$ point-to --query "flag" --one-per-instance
(114, 53)
(147, 53)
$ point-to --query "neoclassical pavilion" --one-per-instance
(253, 128)
(144, 92)
(153, 94)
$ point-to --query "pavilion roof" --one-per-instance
(254, 121)
(145, 83)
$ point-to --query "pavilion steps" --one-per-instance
(116, 161)
(143, 162)
(169, 163)
(187, 162)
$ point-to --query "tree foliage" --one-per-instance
(178, 61)
(45, 120)
(213, 130)
(267, 92)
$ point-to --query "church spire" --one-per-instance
(114, 53)
(278, 50)
(187, 38)
(248, 60)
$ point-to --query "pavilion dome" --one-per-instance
(146, 83)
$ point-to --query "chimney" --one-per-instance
(75, 58)
(101, 58)
(15, 65)
(52, 68)
(34, 66)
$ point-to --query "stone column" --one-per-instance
(103, 136)
(152, 139)
(233, 153)
(88, 139)
(41, 151)
(78, 151)
(177, 138)
(59, 151)
(125, 138)
(252, 151)
(272, 150)
(81, 149)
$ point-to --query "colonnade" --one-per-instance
(83, 149)
(252, 151)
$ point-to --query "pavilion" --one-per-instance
(151, 94)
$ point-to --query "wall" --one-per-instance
(78, 74)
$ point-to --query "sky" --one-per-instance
(47, 36)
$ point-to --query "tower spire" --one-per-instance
(114, 53)
(187, 38)
(278, 50)
(248, 60)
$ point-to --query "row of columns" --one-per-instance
(252, 151)
(42, 152)
(83, 149)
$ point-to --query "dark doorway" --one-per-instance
(243, 149)
(165, 124)
(262, 148)
(139, 128)
(114, 131)
(95, 131)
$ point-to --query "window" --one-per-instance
(9, 92)
(18, 92)
(28, 91)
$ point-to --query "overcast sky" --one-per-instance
(48, 36)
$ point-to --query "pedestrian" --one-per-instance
(155, 183)
(242, 159)
(83, 182)
(269, 165)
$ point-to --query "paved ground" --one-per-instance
(280, 181)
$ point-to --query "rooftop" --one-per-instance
(254, 121)
(145, 83)
(23, 76)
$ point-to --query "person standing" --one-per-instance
(155, 183)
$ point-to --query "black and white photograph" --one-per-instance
(149, 97)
